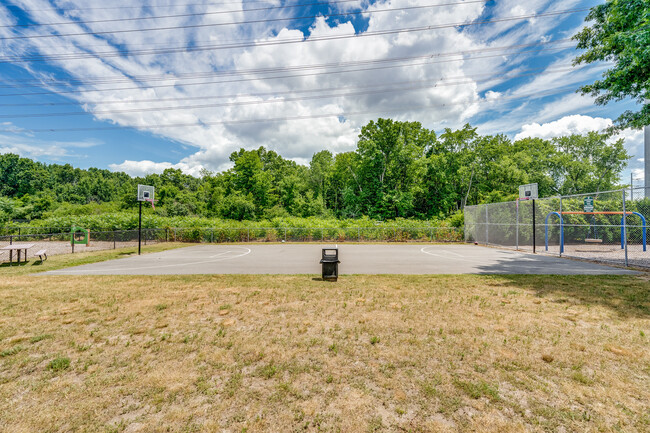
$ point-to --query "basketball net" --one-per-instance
(150, 200)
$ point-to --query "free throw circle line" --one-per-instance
(218, 259)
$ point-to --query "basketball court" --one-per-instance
(410, 259)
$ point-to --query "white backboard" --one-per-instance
(528, 191)
(145, 192)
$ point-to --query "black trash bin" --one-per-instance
(330, 262)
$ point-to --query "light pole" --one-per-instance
(646, 157)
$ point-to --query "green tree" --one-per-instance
(619, 33)
(391, 166)
(587, 163)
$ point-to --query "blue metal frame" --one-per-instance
(561, 230)
(643, 220)
(623, 229)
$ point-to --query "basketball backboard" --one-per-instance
(528, 192)
(145, 193)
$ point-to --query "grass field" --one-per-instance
(289, 353)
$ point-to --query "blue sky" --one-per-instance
(140, 86)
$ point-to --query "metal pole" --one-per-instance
(534, 227)
(113, 239)
(624, 227)
(486, 224)
(646, 142)
(11, 239)
(517, 227)
(561, 222)
(140, 228)
(631, 187)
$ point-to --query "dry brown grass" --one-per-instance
(288, 353)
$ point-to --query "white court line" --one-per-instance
(154, 267)
(220, 254)
(430, 253)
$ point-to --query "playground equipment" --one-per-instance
(79, 236)
(624, 214)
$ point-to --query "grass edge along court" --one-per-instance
(286, 353)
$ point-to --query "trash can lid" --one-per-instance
(330, 255)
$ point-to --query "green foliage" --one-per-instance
(619, 33)
(399, 171)
(59, 364)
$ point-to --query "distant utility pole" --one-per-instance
(646, 160)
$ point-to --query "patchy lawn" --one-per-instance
(289, 353)
(60, 261)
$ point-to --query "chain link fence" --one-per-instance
(587, 226)
(317, 234)
(59, 240)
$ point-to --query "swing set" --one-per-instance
(624, 214)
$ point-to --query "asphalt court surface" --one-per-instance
(355, 259)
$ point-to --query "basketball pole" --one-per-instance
(534, 226)
(140, 228)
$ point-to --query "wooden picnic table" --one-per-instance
(19, 248)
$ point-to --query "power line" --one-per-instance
(203, 124)
(248, 44)
(32, 82)
(409, 86)
(167, 6)
(191, 26)
(373, 68)
(187, 15)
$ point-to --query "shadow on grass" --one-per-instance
(11, 265)
(628, 296)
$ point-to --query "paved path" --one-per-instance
(355, 259)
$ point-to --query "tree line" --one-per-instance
(398, 170)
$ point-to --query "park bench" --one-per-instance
(41, 253)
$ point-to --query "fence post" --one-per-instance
(358, 234)
(113, 239)
(625, 227)
(285, 234)
(517, 227)
(11, 239)
(561, 223)
(211, 236)
(248, 234)
(486, 224)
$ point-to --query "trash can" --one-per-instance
(330, 262)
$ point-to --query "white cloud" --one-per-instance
(436, 107)
(30, 147)
(575, 124)
(142, 168)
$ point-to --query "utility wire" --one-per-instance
(186, 15)
(247, 44)
(32, 82)
(240, 2)
(408, 86)
(192, 26)
(374, 68)
(203, 124)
